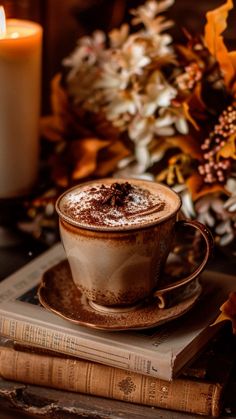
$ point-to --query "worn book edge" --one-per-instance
(183, 394)
(85, 377)
(151, 355)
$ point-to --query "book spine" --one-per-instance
(65, 343)
(85, 377)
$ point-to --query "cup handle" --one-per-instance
(209, 246)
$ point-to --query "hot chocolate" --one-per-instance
(117, 234)
(118, 204)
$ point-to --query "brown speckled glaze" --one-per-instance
(115, 268)
(122, 265)
(59, 294)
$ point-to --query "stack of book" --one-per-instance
(174, 366)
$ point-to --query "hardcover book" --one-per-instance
(200, 390)
(160, 352)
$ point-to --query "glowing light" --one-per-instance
(3, 28)
(15, 35)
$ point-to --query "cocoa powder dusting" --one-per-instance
(118, 204)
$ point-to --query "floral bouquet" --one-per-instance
(136, 104)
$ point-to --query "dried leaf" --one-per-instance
(50, 129)
(229, 149)
(60, 171)
(194, 184)
(188, 116)
(187, 53)
(59, 99)
(187, 144)
(170, 176)
(86, 158)
(84, 153)
(198, 189)
(195, 101)
(232, 55)
(162, 176)
(228, 311)
(179, 175)
(109, 158)
(216, 24)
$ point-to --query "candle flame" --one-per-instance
(3, 28)
(15, 35)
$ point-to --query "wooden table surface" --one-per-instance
(24, 401)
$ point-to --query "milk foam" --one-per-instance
(146, 202)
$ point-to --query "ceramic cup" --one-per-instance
(116, 259)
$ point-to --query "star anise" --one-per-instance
(117, 194)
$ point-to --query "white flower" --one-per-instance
(211, 211)
(225, 230)
(168, 118)
(143, 157)
(124, 101)
(230, 204)
(181, 124)
(231, 185)
(133, 57)
(146, 14)
(141, 129)
(124, 81)
(207, 208)
(119, 36)
(187, 202)
(158, 93)
(87, 52)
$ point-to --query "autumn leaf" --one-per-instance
(232, 55)
(198, 189)
(50, 129)
(187, 144)
(216, 24)
(187, 53)
(109, 158)
(84, 153)
(188, 115)
(228, 310)
(196, 104)
(229, 149)
(54, 127)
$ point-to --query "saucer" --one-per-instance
(58, 293)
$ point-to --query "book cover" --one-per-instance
(160, 352)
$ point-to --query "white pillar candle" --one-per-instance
(20, 97)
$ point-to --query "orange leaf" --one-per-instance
(187, 53)
(60, 172)
(84, 153)
(194, 184)
(109, 157)
(229, 149)
(198, 189)
(195, 102)
(188, 116)
(187, 144)
(228, 310)
(59, 99)
(216, 24)
(50, 129)
(232, 55)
